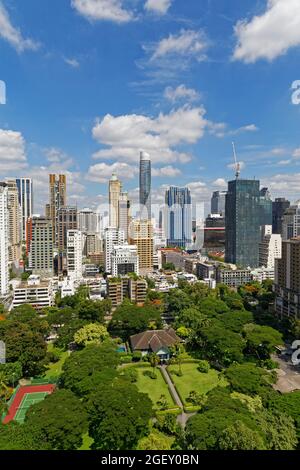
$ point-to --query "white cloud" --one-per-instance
(106, 10)
(284, 162)
(166, 171)
(56, 155)
(296, 153)
(269, 35)
(126, 135)
(219, 129)
(232, 166)
(220, 183)
(13, 35)
(102, 172)
(12, 151)
(283, 185)
(181, 93)
(159, 7)
(187, 43)
(72, 62)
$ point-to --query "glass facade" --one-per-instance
(145, 186)
(26, 201)
(243, 220)
(178, 219)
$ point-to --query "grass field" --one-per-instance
(55, 369)
(154, 388)
(193, 380)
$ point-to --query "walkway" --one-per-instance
(183, 417)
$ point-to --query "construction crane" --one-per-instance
(236, 163)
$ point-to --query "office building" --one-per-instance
(218, 201)
(4, 231)
(124, 260)
(242, 223)
(178, 220)
(57, 199)
(279, 206)
(141, 235)
(14, 222)
(35, 292)
(75, 240)
(112, 237)
(41, 247)
(145, 186)
(287, 279)
(115, 187)
(25, 191)
(266, 207)
(214, 232)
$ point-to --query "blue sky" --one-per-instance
(90, 83)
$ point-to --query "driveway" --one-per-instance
(288, 374)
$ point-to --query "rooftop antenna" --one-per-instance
(237, 164)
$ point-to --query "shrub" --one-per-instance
(131, 374)
(136, 356)
(150, 374)
(203, 367)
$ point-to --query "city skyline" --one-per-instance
(168, 100)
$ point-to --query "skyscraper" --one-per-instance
(66, 220)
(290, 223)
(87, 221)
(14, 218)
(124, 208)
(74, 254)
(41, 247)
(265, 207)
(115, 187)
(218, 201)
(4, 273)
(242, 222)
(112, 237)
(145, 186)
(58, 199)
(279, 206)
(25, 191)
(178, 220)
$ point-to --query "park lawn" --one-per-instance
(155, 388)
(55, 369)
(193, 380)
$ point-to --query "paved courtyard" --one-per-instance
(288, 374)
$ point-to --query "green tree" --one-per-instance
(247, 378)
(118, 417)
(91, 333)
(130, 319)
(91, 360)
(155, 441)
(239, 437)
(261, 340)
(12, 372)
(279, 430)
(59, 421)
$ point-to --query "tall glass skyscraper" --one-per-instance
(26, 201)
(265, 207)
(242, 221)
(218, 202)
(145, 186)
(178, 220)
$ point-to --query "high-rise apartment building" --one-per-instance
(4, 217)
(75, 241)
(58, 199)
(14, 221)
(124, 260)
(269, 248)
(87, 221)
(124, 213)
(25, 191)
(242, 223)
(178, 220)
(113, 237)
(279, 206)
(41, 247)
(218, 202)
(287, 279)
(141, 235)
(145, 186)
(115, 187)
(290, 224)
(66, 220)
